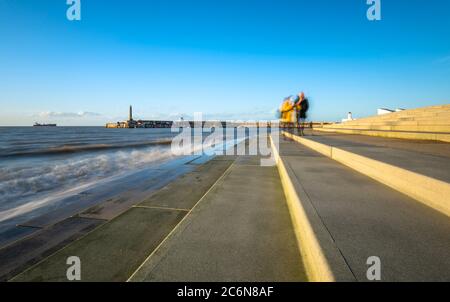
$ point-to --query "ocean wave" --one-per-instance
(23, 184)
(82, 148)
(27, 187)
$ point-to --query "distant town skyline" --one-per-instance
(231, 60)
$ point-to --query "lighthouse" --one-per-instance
(130, 114)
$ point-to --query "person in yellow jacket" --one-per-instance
(287, 113)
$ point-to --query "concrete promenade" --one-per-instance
(310, 218)
(225, 221)
(364, 218)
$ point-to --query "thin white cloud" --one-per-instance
(82, 114)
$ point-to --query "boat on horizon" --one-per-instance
(44, 125)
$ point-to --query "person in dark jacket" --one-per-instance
(301, 106)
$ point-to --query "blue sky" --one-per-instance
(230, 59)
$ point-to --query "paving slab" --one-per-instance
(119, 203)
(240, 231)
(28, 251)
(249, 160)
(109, 200)
(185, 191)
(110, 208)
(112, 251)
(16, 233)
(366, 218)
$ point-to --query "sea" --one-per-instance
(40, 167)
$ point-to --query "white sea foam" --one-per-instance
(52, 180)
(25, 188)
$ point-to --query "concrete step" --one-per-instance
(421, 110)
(343, 218)
(396, 123)
(432, 136)
(411, 121)
(424, 177)
(410, 115)
(395, 127)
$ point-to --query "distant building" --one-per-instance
(131, 123)
(381, 111)
(349, 118)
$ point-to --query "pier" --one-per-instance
(132, 123)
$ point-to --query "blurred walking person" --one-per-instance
(287, 113)
(301, 106)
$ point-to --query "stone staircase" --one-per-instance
(428, 123)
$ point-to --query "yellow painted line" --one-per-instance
(427, 190)
(315, 262)
(180, 223)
